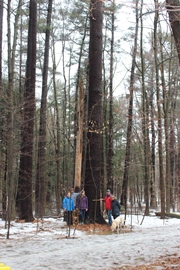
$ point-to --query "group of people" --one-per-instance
(112, 206)
(75, 199)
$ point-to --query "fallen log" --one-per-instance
(170, 215)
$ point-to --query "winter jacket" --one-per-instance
(82, 202)
(115, 208)
(74, 197)
(108, 202)
(68, 204)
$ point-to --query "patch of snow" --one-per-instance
(46, 245)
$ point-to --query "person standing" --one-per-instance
(115, 207)
(82, 205)
(68, 207)
(74, 194)
(108, 205)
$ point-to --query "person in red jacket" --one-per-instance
(108, 205)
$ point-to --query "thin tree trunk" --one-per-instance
(41, 163)
(64, 125)
(105, 111)
(130, 117)
(145, 124)
(3, 191)
(10, 114)
(166, 108)
(160, 149)
(172, 143)
(110, 135)
(79, 136)
(58, 137)
(153, 155)
(78, 87)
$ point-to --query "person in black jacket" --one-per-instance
(115, 207)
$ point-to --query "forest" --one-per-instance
(89, 97)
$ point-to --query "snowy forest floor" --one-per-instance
(49, 245)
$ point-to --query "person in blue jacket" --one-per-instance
(68, 207)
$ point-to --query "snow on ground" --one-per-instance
(46, 246)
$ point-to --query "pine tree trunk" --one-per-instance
(79, 136)
(10, 114)
(130, 118)
(93, 177)
(3, 192)
(1, 38)
(58, 137)
(24, 194)
(76, 125)
(166, 108)
(160, 148)
(41, 162)
(153, 156)
(173, 10)
(110, 135)
(145, 121)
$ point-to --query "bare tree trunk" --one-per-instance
(172, 144)
(10, 114)
(166, 108)
(93, 178)
(24, 194)
(160, 149)
(110, 135)
(1, 38)
(78, 82)
(105, 112)
(64, 125)
(2, 183)
(58, 137)
(173, 9)
(145, 118)
(130, 117)
(41, 163)
(178, 168)
(79, 136)
(153, 156)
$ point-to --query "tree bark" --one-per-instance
(79, 136)
(58, 137)
(24, 194)
(10, 114)
(93, 175)
(41, 163)
(130, 117)
(166, 109)
(110, 135)
(160, 149)
(173, 9)
(3, 192)
(145, 121)
(1, 38)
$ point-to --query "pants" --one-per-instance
(68, 217)
(82, 215)
(109, 213)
